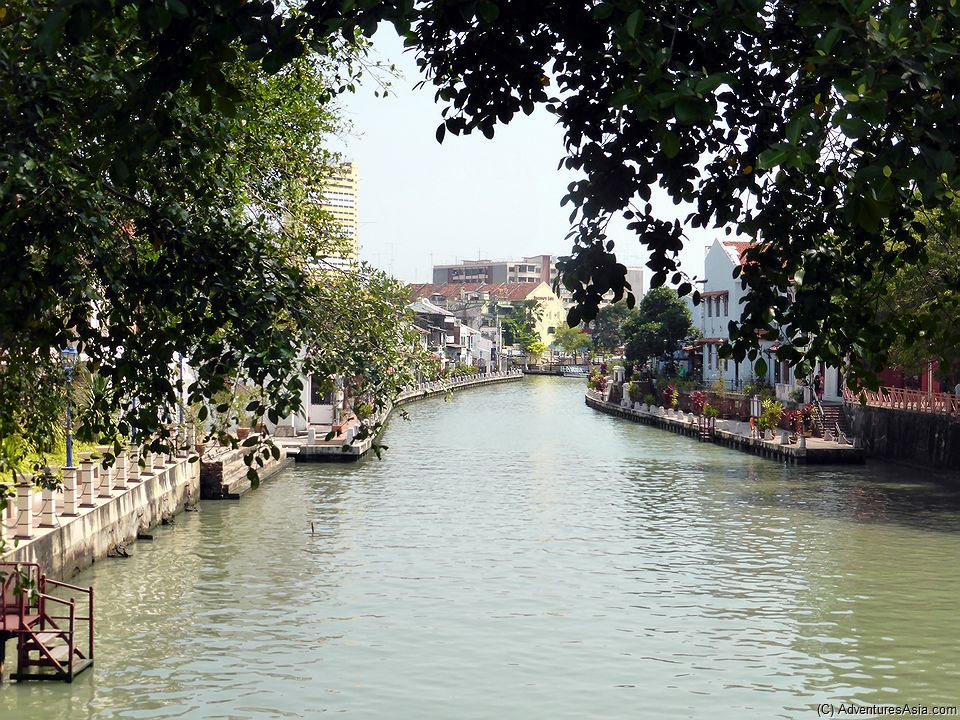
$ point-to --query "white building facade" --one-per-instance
(720, 303)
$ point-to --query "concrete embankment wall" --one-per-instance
(77, 542)
(929, 439)
(441, 387)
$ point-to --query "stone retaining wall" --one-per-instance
(923, 438)
(223, 474)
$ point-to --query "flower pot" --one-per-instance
(200, 448)
(243, 433)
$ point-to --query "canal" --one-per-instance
(517, 555)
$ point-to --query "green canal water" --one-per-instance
(517, 555)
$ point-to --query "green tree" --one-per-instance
(924, 301)
(814, 129)
(661, 323)
(518, 324)
(571, 340)
(608, 326)
(190, 228)
(535, 351)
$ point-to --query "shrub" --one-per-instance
(771, 411)
(649, 399)
(698, 398)
(710, 411)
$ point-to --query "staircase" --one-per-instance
(50, 645)
(832, 418)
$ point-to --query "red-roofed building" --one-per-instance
(472, 304)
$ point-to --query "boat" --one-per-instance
(575, 371)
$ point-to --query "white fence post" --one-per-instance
(24, 512)
(69, 491)
(87, 479)
(120, 472)
(48, 515)
(106, 480)
(133, 464)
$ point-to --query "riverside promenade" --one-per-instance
(313, 447)
(98, 511)
(733, 434)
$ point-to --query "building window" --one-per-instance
(726, 305)
(551, 330)
(709, 307)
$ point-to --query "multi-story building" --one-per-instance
(479, 305)
(721, 301)
(341, 200)
(532, 269)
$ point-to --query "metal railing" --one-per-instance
(941, 403)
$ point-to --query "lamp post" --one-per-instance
(69, 356)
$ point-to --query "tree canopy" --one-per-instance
(147, 222)
(820, 131)
(608, 326)
(571, 340)
(661, 322)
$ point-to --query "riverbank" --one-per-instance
(313, 448)
(100, 512)
(734, 435)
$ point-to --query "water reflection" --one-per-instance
(519, 555)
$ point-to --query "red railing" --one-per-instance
(905, 399)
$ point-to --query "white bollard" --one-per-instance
(48, 515)
(24, 512)
(803, 441)
(106, 481)
(784, 437)
(120, 472)
(147, 462)
(311, 436)
(87, 480)
(133, 464)
(69, 492)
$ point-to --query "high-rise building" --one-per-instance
(341, 200)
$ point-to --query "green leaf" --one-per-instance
(773, 156)
(670, 144)
(689, 109)
(51, 34)
(760, 367)
(488, 11)
(634, 22)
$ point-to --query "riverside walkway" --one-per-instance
(98, 510)
(733, 434)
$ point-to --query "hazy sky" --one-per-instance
(423, 203)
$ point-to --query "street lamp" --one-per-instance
(69, 357)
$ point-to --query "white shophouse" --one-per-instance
(721, 302)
